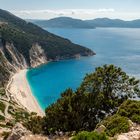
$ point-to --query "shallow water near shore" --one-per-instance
(117, 46)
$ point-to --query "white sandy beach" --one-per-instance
(20, 89)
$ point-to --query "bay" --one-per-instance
(117, 46)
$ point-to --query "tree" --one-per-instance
(100, 94)
(108, 87)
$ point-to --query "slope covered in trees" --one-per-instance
(24, 34)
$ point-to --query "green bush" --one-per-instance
(2, 91)
(136, 118)
(84, 135)
(2, 107)
(131, 110)
(34, 124)
(2, 118)
(116, 124)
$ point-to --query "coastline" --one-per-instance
(20, 89)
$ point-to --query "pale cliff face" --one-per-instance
(15, 61)
(37, 56)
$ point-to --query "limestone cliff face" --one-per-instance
(17, 59)
(37, 55)
(14, 61)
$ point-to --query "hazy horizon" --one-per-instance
(81, 9)
(83, 19)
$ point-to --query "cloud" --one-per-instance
(106, 10)
(77, 13)
(63, 12)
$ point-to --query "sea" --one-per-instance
(118, 46)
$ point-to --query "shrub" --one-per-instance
(116, 124)
(84, 135)
(5, 135)
(2, 118)
(131, 110)
(2, 91)
(34, 124)
(2, 107)
(136, 118)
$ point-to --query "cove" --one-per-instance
(117, 46)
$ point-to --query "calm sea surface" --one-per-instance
(112, 46)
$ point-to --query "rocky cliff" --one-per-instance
(23, 44)
(14, 61)
(37, 55)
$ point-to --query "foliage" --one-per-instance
(100, 94)
(131, 110)
(4, 73)
(84, 135)
(34, 124)
(11, 110)
(2, 107)
(2, 91)
(5, 135)
(18, 115)
(10, 123)
(2, 118)
(116, 124)
(110, 85)
(136, 118)
(21, 115)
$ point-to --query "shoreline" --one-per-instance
(19, 87)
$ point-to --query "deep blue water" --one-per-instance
(112, 46)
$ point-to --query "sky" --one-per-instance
(82, 9)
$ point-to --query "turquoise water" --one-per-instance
(112, 46)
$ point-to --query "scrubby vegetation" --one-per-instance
(2, 118)
(4, 73)
(119, 122)
(2, 107)
(100, 95)
(90, 136)
(34, 124)
(116, 124)
(101, 99)
(5, 135)
(131, 110)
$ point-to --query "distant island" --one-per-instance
(68, 22)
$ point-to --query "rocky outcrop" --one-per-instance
(37, 55)
(17, 132)
(15, 61)
(100, 129)
(12, 59)
(133, 134)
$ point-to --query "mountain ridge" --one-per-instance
(64, 21)
(68, 22)
(25, 38)
(24, 44)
